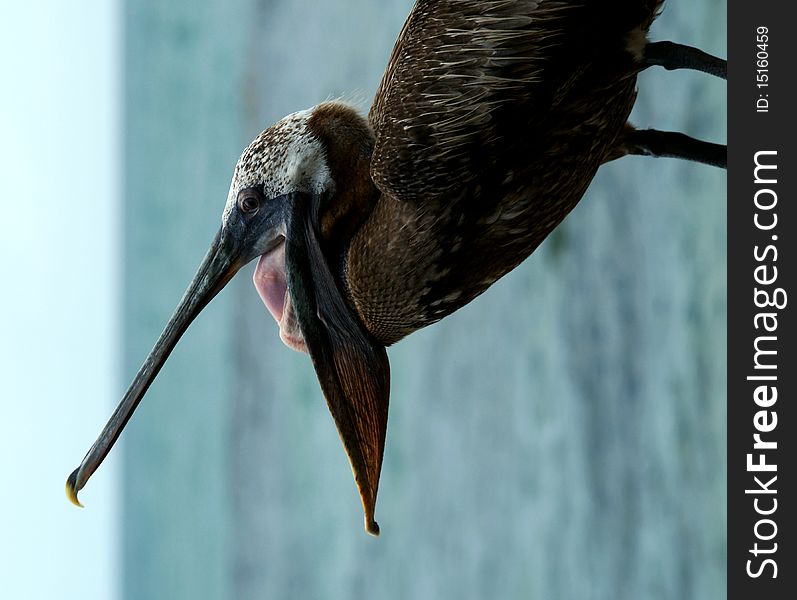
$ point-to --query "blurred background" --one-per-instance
(563, 436)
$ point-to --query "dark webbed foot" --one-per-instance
(677, 56)
(651, 142)
(671, 144)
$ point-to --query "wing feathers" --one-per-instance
(466, 76)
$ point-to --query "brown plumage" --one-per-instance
(489, 124)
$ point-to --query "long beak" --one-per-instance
(221, 262)
(351, 366)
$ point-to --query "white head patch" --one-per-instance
(286, 157)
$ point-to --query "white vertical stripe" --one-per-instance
(59, 293)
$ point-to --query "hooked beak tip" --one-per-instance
(71, 488)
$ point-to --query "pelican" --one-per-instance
(491, 120)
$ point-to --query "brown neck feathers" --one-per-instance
(348, 141)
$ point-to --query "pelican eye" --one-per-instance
(249, 203)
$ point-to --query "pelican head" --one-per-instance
(284, 161)
(282, 208)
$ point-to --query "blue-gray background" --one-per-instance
(561, 437)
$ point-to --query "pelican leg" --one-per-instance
(677, 56)
(670, 144)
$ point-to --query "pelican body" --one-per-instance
(490, 122)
